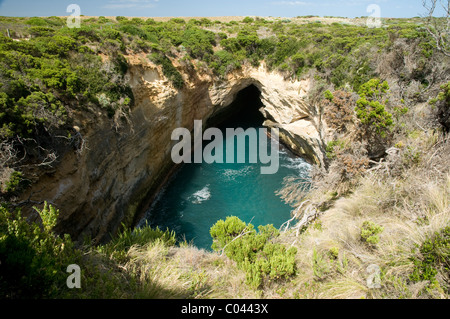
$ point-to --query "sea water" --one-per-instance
(199, 195)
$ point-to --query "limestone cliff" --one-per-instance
(115, 177)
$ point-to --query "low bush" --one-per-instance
(433, 256)
(441, 103)
(370, 233)
(33, 259)
(14, 183)
(170, 72)
(369, 109)
(224, 62)
(254, 252)
(331, 151)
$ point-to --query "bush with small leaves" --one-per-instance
(121, 19)
(442, 106)
(33, 260)
(224, 231)
(224, 62)
(370, 111)
(14, 182)
(333, 148)
(370, 233)
(328, 95)
(49, 216)
(168, 69)
(253, 251)
(433, 257)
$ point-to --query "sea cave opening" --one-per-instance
(243, 112)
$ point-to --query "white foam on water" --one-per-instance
(296, 163)
(233, 174)
(200, 196)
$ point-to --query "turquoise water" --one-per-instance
(198, 195)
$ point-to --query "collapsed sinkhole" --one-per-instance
(243, 112)
(197, 194)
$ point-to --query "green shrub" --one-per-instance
(30, 113)
(223, 232)
(35, 21)
(14, 182)
(248, 20)
(120, 63)
(170, 72)
(33, 260)
(112, 34)
(370, 233)
(133, 30)
(441, 103)
(121, 19)
(178, 20)
(333, 252)
(49, 216)
(370, 111)
(57, 45)
(224, 62)
(199, 43)
(103, 20)
(150, 21)
(328, 95)
(331, 148)
(433, 257)
(253, 251)
(41, 31)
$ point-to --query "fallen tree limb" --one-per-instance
(305, 215)
(310, 213)
(295, 216)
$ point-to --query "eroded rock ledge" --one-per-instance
(114, 179)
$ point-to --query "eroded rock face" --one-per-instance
(115, 177)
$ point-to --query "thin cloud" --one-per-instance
(291, 3)
(334, 3)
(126, 4)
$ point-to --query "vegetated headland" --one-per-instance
(85, 121)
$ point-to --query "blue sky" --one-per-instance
(202, 8)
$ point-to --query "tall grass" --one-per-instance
(411, 207)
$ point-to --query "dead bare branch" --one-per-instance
(438, 28)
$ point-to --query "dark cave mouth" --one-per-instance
(243, 112)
